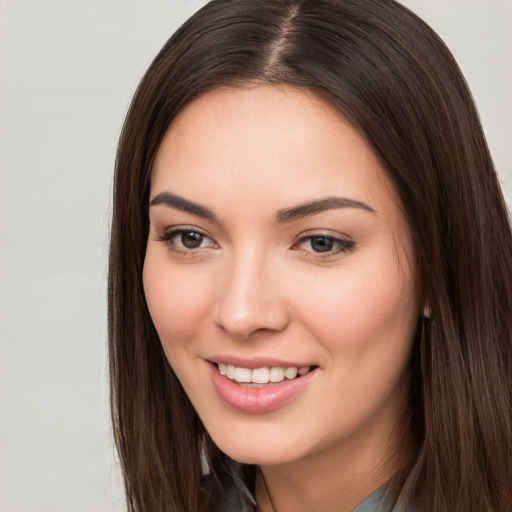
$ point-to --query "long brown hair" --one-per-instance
(392, 77)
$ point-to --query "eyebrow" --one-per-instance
(174, 201)
(321, 205)
(282, 216)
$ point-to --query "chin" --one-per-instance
(257, 455)
(260, 445)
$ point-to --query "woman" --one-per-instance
(310, 270)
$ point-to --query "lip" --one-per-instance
(250, 400)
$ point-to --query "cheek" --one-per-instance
(365, 323)
(361, 311)
(177, 300)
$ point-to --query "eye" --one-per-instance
(324, 244)
(191, 239)
(186, 240)
(321, 243)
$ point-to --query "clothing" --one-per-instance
(228, 493)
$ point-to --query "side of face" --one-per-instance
(276, 241)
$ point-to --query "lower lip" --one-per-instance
(257, 400)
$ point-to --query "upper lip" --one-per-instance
(256, 362)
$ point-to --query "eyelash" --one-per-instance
(339, 245)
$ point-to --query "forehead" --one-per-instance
(267, 141)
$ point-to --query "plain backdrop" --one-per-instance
(68, 69)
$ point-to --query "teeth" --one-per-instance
(243, 374)
(276, 374)
(230, 371)
(261, 375)
(291, 373)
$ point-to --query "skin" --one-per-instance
(256, 287)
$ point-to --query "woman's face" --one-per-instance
(279, 275)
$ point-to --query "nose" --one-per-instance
(250, 298)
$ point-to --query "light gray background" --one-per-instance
(68, 69)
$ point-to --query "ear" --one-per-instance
(427, 312)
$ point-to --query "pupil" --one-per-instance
(191, 240)
(321, 244)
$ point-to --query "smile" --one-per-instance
(259, 389)
(261, 375)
